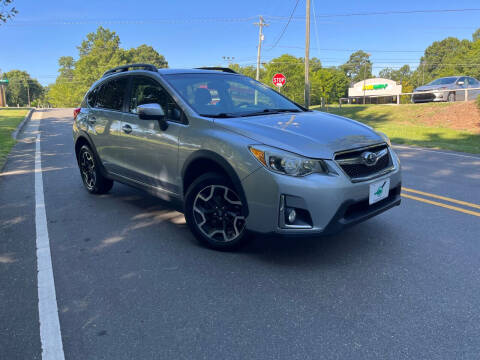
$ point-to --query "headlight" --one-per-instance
(284, 162)
(385, 137)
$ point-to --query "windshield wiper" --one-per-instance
(221, 115)
(269, 111)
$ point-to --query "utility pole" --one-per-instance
(28, 94)
(364, 78)
(260, 25)
(28, 91)
(2, 96)
(307, 55)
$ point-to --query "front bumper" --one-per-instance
(440, 95)
(333, 202)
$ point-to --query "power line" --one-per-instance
(353, 50)
(131, 21)
(286, 26)
(390, 12)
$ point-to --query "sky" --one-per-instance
(195, 33)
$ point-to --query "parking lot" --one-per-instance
(132, 283)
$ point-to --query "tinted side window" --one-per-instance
(110, 94)
(147, 91)
(92, 97)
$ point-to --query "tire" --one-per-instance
(92, 178)
(214, 213)
(451, 97)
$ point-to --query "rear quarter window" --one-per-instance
(91, 98)
(110, 95)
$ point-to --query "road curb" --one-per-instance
(22, 124)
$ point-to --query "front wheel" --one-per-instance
(92, 178)
(215, 213)
(451, 97)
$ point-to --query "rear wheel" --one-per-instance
(215, 213)
(93, 180)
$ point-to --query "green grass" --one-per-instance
(9, 120)
(402, 127)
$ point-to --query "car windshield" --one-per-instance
(226, 95)
(444, 81)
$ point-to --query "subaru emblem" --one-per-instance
(369, 158)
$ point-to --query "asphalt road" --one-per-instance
(132, 283)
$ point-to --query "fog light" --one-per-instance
(291, 215)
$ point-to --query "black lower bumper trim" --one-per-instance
(353, 212)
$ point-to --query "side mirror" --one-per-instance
(461, 83)
(153, 112)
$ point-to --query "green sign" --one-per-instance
(375, 87)
(3, 81)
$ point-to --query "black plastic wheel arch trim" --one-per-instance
(220, 161)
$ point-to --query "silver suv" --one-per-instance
(236, 155)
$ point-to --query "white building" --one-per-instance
(375, 91)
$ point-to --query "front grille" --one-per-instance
(423, 96)
(353, 165)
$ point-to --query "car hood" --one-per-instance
(434, 87)
(312, 134)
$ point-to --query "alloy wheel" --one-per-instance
(87, 167)
(217, 211)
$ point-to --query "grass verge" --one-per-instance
(9, 120)
(412, 125)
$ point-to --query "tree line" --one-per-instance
(101, 51)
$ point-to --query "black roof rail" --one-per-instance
(127, 67)
(217, 68)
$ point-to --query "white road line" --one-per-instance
(50, 336)
(436, 151)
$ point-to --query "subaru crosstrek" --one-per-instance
(235, 154)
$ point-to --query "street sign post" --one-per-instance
(279, 80)
(3, 81)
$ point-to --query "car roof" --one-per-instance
(169, 71)
(163, 71)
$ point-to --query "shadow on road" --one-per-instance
(353, 243)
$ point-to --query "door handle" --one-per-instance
(91, 120)
(127, 129)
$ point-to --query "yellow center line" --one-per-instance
(474, 213)
(442, 198)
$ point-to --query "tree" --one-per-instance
(99, 52)
(20, 86)
(402, 74)
(444, 58)
(358, 66)
(293, 69)
(64, 94)
(146, 55)
(329, 84)
(7, 11)
(315, 64)
(248, 70)
(476, 35)
(67, 65)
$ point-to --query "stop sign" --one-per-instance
(279, 80)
